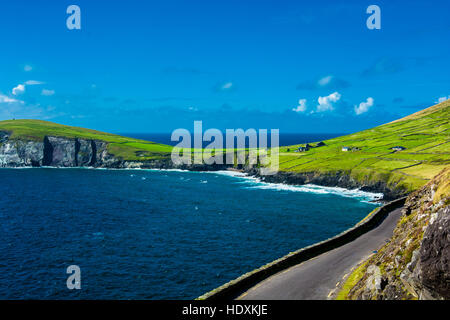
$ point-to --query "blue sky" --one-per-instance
(154, 66)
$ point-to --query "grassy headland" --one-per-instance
(425, 137)
(122, 147)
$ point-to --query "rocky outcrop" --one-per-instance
(338, 179)
(63, 152)
(18, 153)
(56, 152)
(83, 150)
(102, 158)
(433, 259)
(415, 264)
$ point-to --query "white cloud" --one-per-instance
(21, 87)
(18, 90)
(46, 92)
(442, 99)
(326, 103)
(226, 86)
(301, 106)
(324, 81)
(364, 106)
(33, 82)
(6, 99)
(27, 68)
(328, 82)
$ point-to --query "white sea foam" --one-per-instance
(256, 183)
(230, 173)
(173, 170)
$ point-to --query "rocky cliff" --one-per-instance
(415, 264)
(55, 152)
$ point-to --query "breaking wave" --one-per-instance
(256, 183)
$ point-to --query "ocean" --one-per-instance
(154, 234)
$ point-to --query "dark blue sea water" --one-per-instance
(139, 234)
(285, 139)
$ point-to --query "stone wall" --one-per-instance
(234, 288)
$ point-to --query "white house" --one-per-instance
(345, 148)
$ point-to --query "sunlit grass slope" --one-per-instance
(124, 147)
(425, 135)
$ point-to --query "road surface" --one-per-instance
(316, 278)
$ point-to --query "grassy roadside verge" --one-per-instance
(351, 281)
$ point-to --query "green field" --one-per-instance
(425, 135)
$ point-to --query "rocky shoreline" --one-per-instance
(340, 179)
(77, 152)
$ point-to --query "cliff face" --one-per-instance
(75, 152)
(415, 264)
(56, 152)
(21, 153)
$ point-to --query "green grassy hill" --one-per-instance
(425, 135)
(123, 147)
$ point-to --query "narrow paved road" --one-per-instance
(316, 278)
